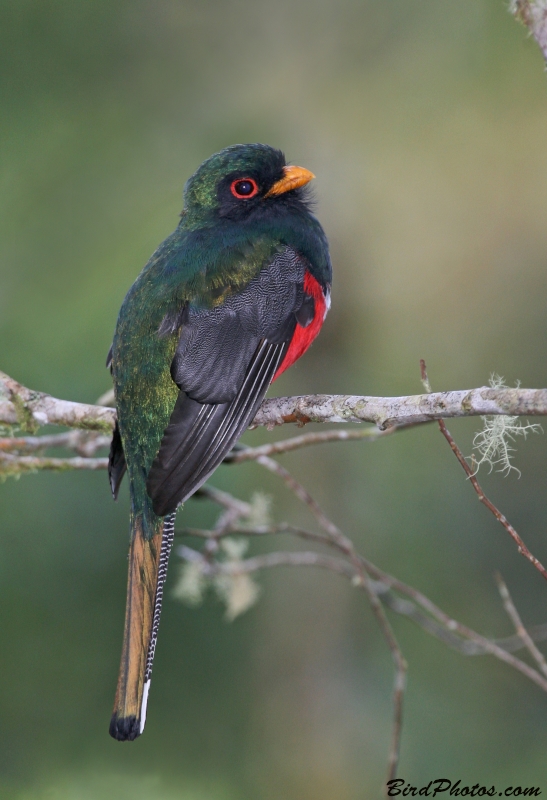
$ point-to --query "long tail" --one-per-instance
(148, 559)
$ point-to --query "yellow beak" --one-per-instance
(293, 178)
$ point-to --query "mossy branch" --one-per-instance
(27, 409)
(24, 408)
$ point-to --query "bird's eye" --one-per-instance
(244, 188)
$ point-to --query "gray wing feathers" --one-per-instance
(216, 346)
(225, 360)
(200, 434)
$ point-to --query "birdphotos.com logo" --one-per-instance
(442, 787)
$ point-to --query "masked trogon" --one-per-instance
(230, 299)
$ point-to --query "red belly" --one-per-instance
(303, 337)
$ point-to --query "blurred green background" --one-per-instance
(425, 122)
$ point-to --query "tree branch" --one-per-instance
(387, 412)
(435, 621)
(522, 633)
(85, 443)
(468, 642)
(533, 14)
(29, 409)
(26, 409)
(17, 465)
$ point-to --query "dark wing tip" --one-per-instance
(199, 435)
(164, 506)
(124, 729)
(109, 359)
(117, 465)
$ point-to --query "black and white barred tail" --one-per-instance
(165, 552)
(148, 561)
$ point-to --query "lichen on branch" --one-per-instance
(533, 14)
(21, 407)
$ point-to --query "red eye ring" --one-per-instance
(244, 188)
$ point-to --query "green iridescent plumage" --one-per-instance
(200, 335)
(202, 262)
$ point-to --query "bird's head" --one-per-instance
(242, 181)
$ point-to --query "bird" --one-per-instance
(233, 297)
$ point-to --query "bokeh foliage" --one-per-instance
(425, 123)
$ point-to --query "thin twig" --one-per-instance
(305, 440)
(108, 398)
(83, 442)
(257, 530)
(473, 645)
(234, 510)
(345, 545)
(224, 499)
(442, 626)
(466, 647)
(306, 558)
(86, 444)
(522, 549)
(444, 631)
(514, 616)
(383, 578)
(13, 465)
